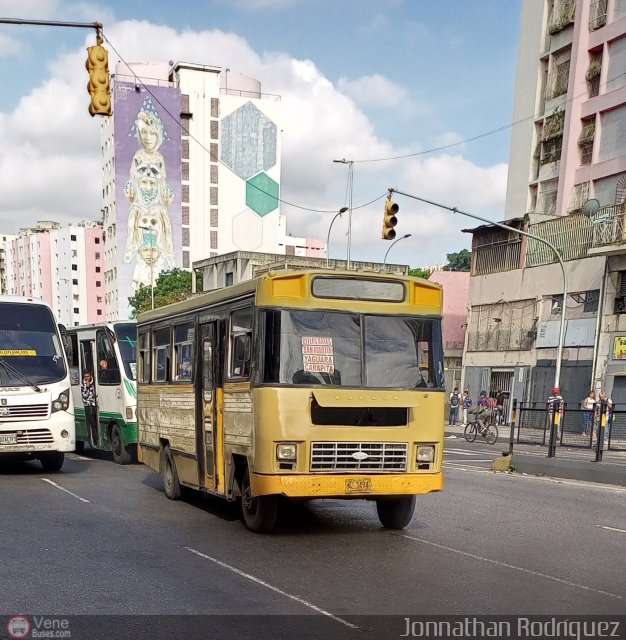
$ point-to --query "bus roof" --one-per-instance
(24, 300)
(250, 287)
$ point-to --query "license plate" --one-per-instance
(358, 485)
(8, 438)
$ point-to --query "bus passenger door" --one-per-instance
(88, 391)
(206, 436)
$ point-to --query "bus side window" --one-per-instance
(108, 367)
(161, 354)
(144, 357)
(240, 342)
(183, 351)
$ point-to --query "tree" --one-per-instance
(170, 286)
(460, 261)
(418, 272)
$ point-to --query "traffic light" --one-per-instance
(99, 81)
(390, 220)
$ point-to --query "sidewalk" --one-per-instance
(570, 463)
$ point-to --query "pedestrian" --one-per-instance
(88, 393)
(500, 398)
(466, 403)
(455, 403)
(556, 398)
(589, 408)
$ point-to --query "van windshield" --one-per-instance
(30, 345)
(351, 350)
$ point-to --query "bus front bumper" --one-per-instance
(345, 486)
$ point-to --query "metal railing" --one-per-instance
(608, 226)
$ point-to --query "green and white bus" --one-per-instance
(103, 371)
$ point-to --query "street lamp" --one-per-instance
(559, 353)
(407, 235)
(350, 164)
(337, 215)
(152, 243)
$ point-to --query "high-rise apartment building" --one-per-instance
(4, 240)
(63, 266)
(567, 185)
(191, 169)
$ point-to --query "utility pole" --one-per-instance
(350, 164)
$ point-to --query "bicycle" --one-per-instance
(489, 432)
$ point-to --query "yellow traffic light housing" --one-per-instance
(99, 86)
(390, 220)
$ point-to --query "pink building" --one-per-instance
(63, 266)
(455, 299)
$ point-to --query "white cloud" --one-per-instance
(10, 46)
(373, 90)
(50, 165)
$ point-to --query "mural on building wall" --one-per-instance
(148, 157)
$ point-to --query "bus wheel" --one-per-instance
(170, 476)
(259, 514)
(52, 461)
(396, 513)
(120, 454)
(80, 446)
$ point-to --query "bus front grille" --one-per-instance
(34, 436)
(359, 456)
(26, 411)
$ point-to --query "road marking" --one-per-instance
(459, 452)
(498, 563)
(54, 484)
(603, 526)
(75, 456)
(273, 588)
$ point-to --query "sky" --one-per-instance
(360, 80)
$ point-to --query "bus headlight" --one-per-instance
(62, 403)
(425, 454)
(286, 451)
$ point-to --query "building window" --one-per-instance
(99, 312)
(597, 14)
(98, 283)
(215, 108)
(184, 170)
(213, 195)
(185, 193)
(185, 259)
(213, 152)
(73, 238)
(75, 281)
(185, 150)
(185, 214)
(214, 174)
(97, 269)
(592, 299)
(97, 255)
(585, 140)
(76, 310)
(620, 299)
(74, 267)
(213, 218)
(214, 126)
(229, 278)
(185, 236)
(556, 305)
(558, 75)
(213, 240)
(97, 240)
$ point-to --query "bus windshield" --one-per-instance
(29, 345)
(351, 350)
(126, 335)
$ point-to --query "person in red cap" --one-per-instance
(556, 397)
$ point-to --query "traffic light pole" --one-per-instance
(53, 23)
(559, 354)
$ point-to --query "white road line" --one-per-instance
(514, 567)
(273, 588)
(472, 460)
(54, 484)
(75, 456)
(458, 452)
(603, 526)
(472, 452)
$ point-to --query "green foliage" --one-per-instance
(418, 272)
(171, 286)
(460, 261)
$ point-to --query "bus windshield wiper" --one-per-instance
(11, 370)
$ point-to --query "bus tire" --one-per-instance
(396, 513)
(52, 461)
(121, 454)
(80, 446)
(171, 483)
(259, 514)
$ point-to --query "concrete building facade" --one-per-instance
(5, 245)
(63, 266)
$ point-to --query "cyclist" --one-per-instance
(483, 411)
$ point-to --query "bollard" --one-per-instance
(555, 409)
(513, 420)
(601, 431)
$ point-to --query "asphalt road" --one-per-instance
(98, 538)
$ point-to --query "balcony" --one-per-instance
(609, 232)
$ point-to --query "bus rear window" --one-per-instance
(358, 289)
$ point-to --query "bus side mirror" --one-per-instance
(67, 343)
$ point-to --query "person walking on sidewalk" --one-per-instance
(500, 398)
(455, 403)
(604, 404)
(589, 407)
(466, 403)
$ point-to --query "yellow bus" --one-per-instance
(301, 384)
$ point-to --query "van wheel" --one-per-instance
(396, 513)
(52, 461)
(170, 476)
(121, 455)
(259, 513)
